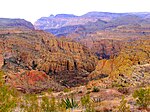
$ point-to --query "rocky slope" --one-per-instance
(69, 61)
(129, 68)
(24, 50)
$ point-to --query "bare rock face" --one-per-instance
(104, 48)
(33, 82)
(38, 50)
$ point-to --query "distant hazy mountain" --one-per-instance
(14, 23)
(103, 15)
(61, 20)
(64, 24)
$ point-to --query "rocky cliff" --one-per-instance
(37, 50)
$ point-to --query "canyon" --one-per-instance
(108, 51)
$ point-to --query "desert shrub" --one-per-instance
(69, 103)
(61, 107)
(66, 90)
(95, 89)
(123, 106)
(85, 100)
(119, 82)
(48, 104)
(8, 96)
(8, 100)
(123, 90)
(50, 90)
(30, 103)
(87, 104)
(90, 108)
(142, 97)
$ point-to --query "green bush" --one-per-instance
(66, 90)
(8, 96)
(90, 108)
(85, 100)
(30, 103)
(48, 104)
(8, 100)
(142, 97)
(95, 89)
(87, 104)
(123, 106)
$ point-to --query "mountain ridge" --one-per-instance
(15, 23)
(57, 22)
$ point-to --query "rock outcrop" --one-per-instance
(48, 53)
(38, 50)
(33, 82)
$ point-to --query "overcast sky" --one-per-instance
(31, 10)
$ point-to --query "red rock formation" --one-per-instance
(33, 81)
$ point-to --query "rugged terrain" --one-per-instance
(96, 62)
(64, 24)
(104, 34)
(37, 50)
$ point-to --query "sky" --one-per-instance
(32, 10)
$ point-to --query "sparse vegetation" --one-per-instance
(123, 106)
(8, 100)
(95, 89)
(87, 103)
(142, 97)
(69, 103)
(85, 100)
(48, 104)
(66, 90)
(30, 103)
(90, 108)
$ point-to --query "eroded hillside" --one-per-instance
(65, 61)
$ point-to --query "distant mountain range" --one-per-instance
(64, 24)
(15, 23)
